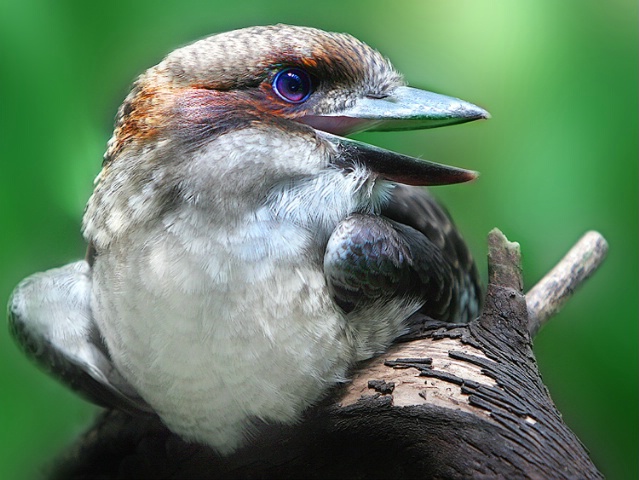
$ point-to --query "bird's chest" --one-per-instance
(214, 285)
(221, 315)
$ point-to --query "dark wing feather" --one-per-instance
(415, 207)
(371, 260)
(413, 252)
(50, 318)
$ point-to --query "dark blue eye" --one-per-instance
(293, 85)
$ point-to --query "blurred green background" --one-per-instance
(559, 157)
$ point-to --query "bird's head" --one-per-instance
(234, 117)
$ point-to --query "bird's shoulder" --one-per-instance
(412, 251)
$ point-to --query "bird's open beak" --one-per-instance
(405, 109)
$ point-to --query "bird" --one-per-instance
(244, 254)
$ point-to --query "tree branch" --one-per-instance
(551, 292)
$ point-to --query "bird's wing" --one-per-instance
(412, 252)
(50, 317)
(415, 207)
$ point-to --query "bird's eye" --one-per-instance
(293, 85)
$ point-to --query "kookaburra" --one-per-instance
(243, 254)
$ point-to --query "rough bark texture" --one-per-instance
(448, 401)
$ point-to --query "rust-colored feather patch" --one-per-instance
(140, 118)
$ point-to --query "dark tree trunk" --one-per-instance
(448, 401)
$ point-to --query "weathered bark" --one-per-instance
(448, 401)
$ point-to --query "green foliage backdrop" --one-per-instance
(558, 158)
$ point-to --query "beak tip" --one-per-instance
(463, 176)
(473, 112)
(472, 175)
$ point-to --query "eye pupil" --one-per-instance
(293, 85)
